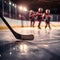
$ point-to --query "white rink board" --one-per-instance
(14, 22)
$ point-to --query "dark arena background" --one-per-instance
(21, 41)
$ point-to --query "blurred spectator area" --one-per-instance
(54, 16)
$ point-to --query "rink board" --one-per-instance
(26, 23)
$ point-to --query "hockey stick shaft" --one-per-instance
(17, 35)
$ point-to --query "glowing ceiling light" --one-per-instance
(20, 7)
(9, 3)
(12, 4)
(25, 9)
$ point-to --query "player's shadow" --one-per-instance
(54, 56)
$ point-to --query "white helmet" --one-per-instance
(31, 10)
(40, 9)
(47, 10)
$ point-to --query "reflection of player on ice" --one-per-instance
(32, 17)
(39, 17)
(47, 17)
(21, 17)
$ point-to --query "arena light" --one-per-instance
(20, 8)
(25, 9)
(13, 4)
(9, 3)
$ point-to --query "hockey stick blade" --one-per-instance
(17, 35)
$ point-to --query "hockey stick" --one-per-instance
(17, 35)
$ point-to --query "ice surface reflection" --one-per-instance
(23, 48)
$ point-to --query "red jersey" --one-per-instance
(31, 16)
(39, 15)
(46, 16)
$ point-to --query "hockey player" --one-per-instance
(47, 18)
(32, 17)
(39, 17)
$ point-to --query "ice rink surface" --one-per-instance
(45, 46)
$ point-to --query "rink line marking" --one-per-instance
(4, 27)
